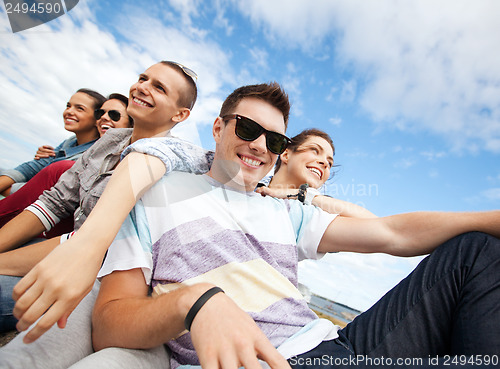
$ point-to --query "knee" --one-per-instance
(55, 170)
(469, 246)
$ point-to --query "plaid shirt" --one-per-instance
(79, 188)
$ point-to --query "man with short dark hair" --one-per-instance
(222, 263)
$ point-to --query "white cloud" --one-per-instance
(220, 19)
(336, 121)
(260, 57)
(348, 91)
(405, 163)
(492, 194)
(43, 67)
(433, 173)
(433, 155)
(421, 65)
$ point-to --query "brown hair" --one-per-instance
(271, 93)
(187, 96)
(96, 96)
(301, 138)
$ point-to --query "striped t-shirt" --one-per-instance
(189, 229)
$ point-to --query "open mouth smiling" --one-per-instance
(250, 162)
(316, 171)
(141, 102)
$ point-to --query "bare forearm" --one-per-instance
(19, 230)
(5, 184)
(116, 324)
(20, 261)
(408, 234)
(344, 208)
(420, 233)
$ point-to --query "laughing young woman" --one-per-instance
(78, 119)
(308, 159)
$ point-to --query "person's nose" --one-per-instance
(259, 144)
(143, 87)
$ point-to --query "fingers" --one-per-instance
(270, 355)
(21, 286)
(30, 307)
(249, 360)
(61, 323)
(45, 151)
(47, 321)
(33, 300)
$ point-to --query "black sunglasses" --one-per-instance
(114, 115)
(249, 130)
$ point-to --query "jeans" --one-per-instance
(7, 320)
(449, 305)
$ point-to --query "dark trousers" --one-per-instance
(447, 307)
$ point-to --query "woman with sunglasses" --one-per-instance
(112, 114)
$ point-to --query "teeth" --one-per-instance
(315, 171)
(140, 102)
(71, 120)
(254, 163)
(105, 127)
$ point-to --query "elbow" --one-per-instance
(100, 340)
(102, 330)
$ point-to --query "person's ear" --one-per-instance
(285, 156)
(181, 115)
(218, 129)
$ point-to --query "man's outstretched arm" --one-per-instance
(408, 234)
(223, 334)
(44, 288)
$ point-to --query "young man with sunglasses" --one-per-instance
(222, 262)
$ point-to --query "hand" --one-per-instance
(225, 336)
(280, 193)
(54, 287)
(44, 151)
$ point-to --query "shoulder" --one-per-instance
(113, 136)
(69, 142)
(117, 133)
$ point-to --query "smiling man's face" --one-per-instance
(153, 99)
(242, 163)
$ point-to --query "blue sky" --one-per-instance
(409, 91)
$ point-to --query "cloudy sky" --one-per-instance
(410, 92)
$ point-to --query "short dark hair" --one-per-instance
(98, 98)
(301, 138)
(187, 96)
(124, 100)
(271, 93)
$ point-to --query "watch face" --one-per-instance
(25, 14)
